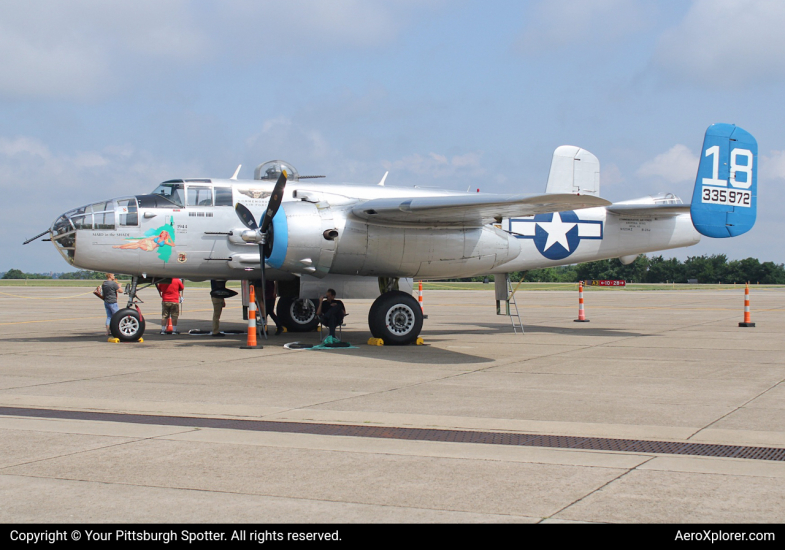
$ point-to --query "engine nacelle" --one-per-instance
(303, 238)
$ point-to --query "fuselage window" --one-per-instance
(199, 195)
(128, 214)
(223, 196)
(171, 191)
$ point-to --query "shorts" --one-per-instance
(170, 309)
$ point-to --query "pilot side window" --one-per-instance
(171, 191)
(223, 196)
(198, 195)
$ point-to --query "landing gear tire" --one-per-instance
(297, 314)
(396, 318)
(127, 325)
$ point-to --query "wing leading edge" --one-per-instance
(461, 210)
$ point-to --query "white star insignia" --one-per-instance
(557, 232)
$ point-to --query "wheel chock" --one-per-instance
(419, 342)
(375, 342)
(117, 341)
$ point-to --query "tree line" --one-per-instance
(656, 269)
(83, 274)
(703, 269)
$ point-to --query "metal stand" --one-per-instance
(506, 295)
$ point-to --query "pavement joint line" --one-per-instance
(502, 363)
(600, 488)
(265, 495)
(514, 439)
(710, 424)
(82, 451)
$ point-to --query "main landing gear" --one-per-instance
(396, 318)
(297, 314)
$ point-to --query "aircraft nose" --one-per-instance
(64, 236)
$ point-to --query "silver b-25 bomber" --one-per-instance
(370, 240)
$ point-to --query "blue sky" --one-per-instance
(100, 99)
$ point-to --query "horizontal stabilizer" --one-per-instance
(455, 210)
(649, 209)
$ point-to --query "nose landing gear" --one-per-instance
(127, 325)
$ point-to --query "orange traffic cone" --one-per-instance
(581, 313)
(419, 299)
(251, 342)
(169, 327)
(747, 318)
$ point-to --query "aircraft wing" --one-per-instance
(469, 209)
(649, 209)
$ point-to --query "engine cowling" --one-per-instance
(303, 238)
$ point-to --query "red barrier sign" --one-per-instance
(605, 282)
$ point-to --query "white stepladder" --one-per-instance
(505, 295)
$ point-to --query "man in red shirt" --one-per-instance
(171, 296)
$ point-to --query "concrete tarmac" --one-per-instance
(666, 366)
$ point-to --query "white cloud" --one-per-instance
(558, 24)
(676, 165)
(435, 165)
(87, 49)
(772, 166)
(726, 43)
(611, 175)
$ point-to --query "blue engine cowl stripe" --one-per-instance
(280, 239)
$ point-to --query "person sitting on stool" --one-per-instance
(331, 311)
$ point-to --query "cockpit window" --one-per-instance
(173, 191)
(200, 195)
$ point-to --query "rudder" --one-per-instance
(725, 199)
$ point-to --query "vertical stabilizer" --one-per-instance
(725, 199)
(574, 170)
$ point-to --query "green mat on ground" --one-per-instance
(333, 343)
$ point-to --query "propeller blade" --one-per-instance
(264, 292)
(245, 216)
(275, 201)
